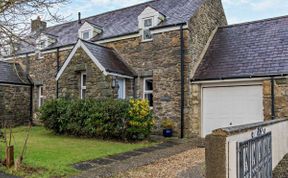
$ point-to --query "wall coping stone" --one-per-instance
(229, 131)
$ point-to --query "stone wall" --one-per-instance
(43, 73)
(158, 59)
(209, 16)
(14, 105)
(97, 84)
(281, 98)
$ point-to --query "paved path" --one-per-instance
(114, 165)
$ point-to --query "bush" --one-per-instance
(106, 118)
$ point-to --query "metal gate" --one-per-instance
(255, 156)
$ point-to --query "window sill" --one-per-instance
(146, 41)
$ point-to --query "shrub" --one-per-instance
(167, 123)
(106, 118)
(140, 119)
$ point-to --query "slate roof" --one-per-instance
(12, 73)
(252, 49)
(123, 21)
(108, 58)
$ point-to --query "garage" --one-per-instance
(224, 106)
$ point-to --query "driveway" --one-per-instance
(189, 164)
(173, 159)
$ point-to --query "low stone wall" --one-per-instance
(14, 105)
(221, 146)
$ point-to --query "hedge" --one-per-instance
(106, 118)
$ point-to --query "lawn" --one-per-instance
(53, 155)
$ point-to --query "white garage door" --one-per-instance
(233, 105)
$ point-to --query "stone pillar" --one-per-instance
(215, 156)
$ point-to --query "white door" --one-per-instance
(230, 106)
(121, 90)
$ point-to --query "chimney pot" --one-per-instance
(79, 17)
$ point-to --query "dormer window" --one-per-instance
(42, 44)
(85, 35)
(45, 40)
(88, 31)
(148, 19)
(147, 24)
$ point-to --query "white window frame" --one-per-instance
(147, 28)
(39, 54)
(85, 31)
(82, 87)
(124, 88)
(147, 91)
(40, 96)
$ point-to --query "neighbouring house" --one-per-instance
(178, 54)
(15, 95)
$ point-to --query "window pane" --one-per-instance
(41, 101)
(149, 97)
(147, 34)
(84, 80)
(86, 35)
(148, 23)
(121, 90)
(83, 94)
(149, 85)
(41, 91)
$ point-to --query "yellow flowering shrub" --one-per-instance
(141, 120)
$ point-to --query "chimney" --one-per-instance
(38, 25)
(79, 17)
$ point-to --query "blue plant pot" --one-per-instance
(167, 132)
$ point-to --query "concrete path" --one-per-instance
(117, 165)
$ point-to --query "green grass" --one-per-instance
(54, 155)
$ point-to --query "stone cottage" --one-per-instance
(139, 51)
(161, 50)
(15, 95)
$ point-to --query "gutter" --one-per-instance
(259, 77)
(13, 83)
(57, 70)
(182, 79)
(272, 98)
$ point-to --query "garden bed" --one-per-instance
(50, 155)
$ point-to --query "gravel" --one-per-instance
(167, 156)
(188, 164)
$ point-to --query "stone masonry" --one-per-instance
(98, 85)
(14, 105)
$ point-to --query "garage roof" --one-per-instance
(252, 49)
(12, 73)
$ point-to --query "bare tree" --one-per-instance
(15, 19)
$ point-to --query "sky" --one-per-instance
(237, 11)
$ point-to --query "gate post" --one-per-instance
(215, 156)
